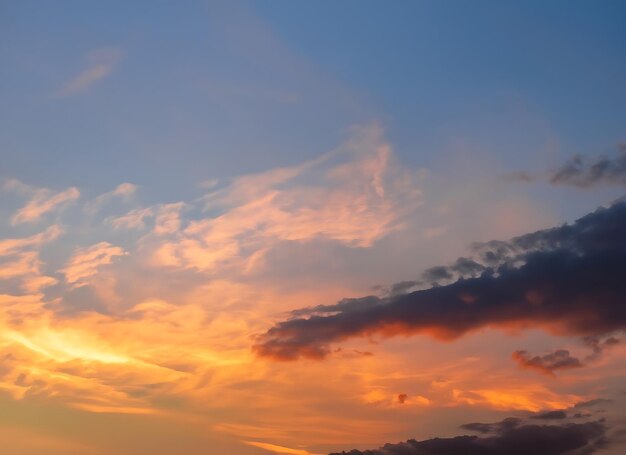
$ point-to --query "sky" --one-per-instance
(271, 227)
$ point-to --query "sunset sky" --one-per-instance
(275, 227)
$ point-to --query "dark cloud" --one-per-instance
(549, 363)
(561, 358)
(344, 305)
(568, 280)
(498, 427)
(592, 403)
(586, 172)
(551, 415)
(462, 268)
(363, 353)
(404, 287)
(598, 345)
(508, 439)
(438, 273)
(517, 436)
(583, 171)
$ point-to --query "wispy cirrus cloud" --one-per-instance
(42, 201)
(100, 64)
(134, 219)
(20, 264)
(8, 246)
(123, 191)
(85, 262)
(354, 196)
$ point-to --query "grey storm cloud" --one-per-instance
(568, 280)
(551, 415)
(505, 438)
(557, 432)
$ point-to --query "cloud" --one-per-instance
(278, 449)
(530, 397)
(168, 218)
(85, 262)
(549, 363)
(24, 269)
(568, 280)
(352, 196)
(41, 201)
(592, 403)
(583, 171)
(508, 437)
(135, 219)
(561, 358)
(599, 345)
(123, 191)
(551, 415)
(100, 64)
(20, 265)
(164, 341)
(485, 428)
(9, 246)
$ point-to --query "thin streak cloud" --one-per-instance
(100, 64)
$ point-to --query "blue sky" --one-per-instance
(227, 88)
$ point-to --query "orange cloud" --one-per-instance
(532, 397)
(85, 262)
(9, 246)
(41, 201)
(278, 449)
(123, 191)
(135, 219)
(354, 196)
(20, 262)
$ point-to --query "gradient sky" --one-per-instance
(181, 181)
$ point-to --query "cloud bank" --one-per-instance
(567, 280)
(572, 439)
(511, 436)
